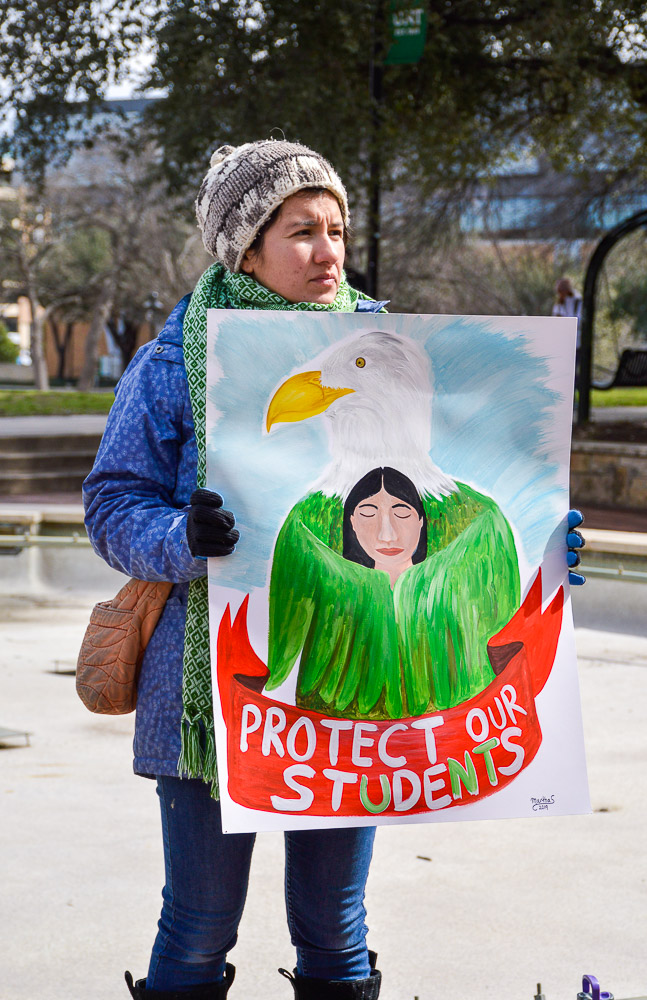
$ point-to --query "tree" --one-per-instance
(27, 235)
(62, 331)
(568, 75)
(139, 237)
(90, 245)
(72, 273)
(558, 71)
(51, 53)
(54, 259)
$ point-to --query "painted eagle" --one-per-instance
(374, 642)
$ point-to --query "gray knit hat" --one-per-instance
(244, 186)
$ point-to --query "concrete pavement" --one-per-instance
(456, 911)
(91, 423)
(95, 423)
(602, 414)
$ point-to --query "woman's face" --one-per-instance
(303, 251)
(388, 529)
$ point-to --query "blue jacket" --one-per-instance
(136, 502)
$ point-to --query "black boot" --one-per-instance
(336, 989)
(210, 991)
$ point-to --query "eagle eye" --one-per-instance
(360, 362)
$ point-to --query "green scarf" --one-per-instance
(218, 288)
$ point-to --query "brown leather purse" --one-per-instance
(113, 647)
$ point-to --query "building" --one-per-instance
(527, 199)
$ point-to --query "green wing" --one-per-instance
(449, 605)
(336, 615)
(367, 652)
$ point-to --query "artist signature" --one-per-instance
(543, 803)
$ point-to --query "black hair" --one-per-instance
(398, 485)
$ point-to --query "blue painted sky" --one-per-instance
(500, 419)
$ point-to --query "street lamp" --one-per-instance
(152, 306)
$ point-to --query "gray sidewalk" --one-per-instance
(91, 423)
(456, 911)
(95, 423)
(602, 414)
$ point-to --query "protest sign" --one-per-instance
(392, 640)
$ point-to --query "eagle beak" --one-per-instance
(300, 397)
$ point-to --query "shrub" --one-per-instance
(8, 350)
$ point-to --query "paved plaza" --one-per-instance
(457, 911)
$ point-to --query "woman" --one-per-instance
(384, 523)
(275, 216)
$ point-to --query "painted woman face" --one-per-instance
(388, 529)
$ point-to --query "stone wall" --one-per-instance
(609, 475)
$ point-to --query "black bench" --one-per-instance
(631, 370)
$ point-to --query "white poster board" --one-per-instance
(392, 640)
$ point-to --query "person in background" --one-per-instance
(568, 302)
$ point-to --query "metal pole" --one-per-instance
(376, 74)
(588, 307)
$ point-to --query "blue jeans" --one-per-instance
(207, 873)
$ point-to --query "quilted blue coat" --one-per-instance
(136, 503)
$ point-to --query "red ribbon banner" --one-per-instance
(285, 759)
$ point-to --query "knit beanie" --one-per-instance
(244, 186)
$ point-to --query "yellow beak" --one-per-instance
(300, 397)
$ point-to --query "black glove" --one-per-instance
(210, 529)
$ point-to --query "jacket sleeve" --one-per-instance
(136, 497)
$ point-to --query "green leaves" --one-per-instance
(553, 72)
(54, 53)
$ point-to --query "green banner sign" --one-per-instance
(408, 31)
